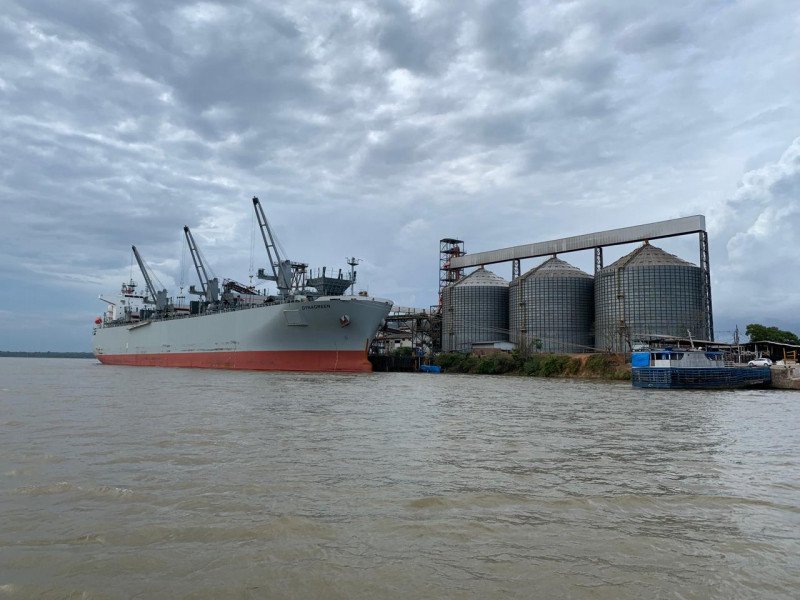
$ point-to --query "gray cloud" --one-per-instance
(419, 42)
(374, 129)
(652, 35)
(759, 226)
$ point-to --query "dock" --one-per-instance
(785, 377)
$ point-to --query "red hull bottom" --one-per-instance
(298, 360)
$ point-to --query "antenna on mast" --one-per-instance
(353, 261)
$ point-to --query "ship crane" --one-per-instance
(282, 270)
(210, 287)
(159, 298)
(230, 284)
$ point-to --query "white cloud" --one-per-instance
(758, 229)
(369, 127)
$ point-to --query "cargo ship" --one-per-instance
(308, 325)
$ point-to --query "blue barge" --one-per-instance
(692, 369)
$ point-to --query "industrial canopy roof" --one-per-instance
(612, 237)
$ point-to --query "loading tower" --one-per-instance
(449, 249)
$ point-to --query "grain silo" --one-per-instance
(474, 309)
(648, 293)
(551, 308)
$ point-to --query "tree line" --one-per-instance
(763, 333)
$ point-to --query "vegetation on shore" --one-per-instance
(763, 333)
(578, 366)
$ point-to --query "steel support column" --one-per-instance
(598, 259)
(706, 270)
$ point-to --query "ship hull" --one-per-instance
(327, 334)
(700, 378)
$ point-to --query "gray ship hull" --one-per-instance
(325, 334)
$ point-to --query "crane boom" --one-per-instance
(159, 297)
(198, 262)
(281, 270)
(147, 280)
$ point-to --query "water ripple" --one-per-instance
(167, 483)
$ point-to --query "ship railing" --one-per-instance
(226, 309)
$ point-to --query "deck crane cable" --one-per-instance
(154, 276)
(158, 281)
(205, 262)
(278, 245)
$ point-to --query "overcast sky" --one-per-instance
(373, 129)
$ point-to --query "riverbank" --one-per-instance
(574, 366)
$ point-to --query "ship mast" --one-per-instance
(281, 269)
(210, 287)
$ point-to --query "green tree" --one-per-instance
(762, 333)
(403, 351)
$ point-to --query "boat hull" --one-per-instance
(700, 378)
(327, 334)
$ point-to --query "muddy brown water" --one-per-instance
(125, 482)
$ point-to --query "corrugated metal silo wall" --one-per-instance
(556, 311)
(447, 318)
(650, 301)
(473, 314)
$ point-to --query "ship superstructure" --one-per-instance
(235, 326)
